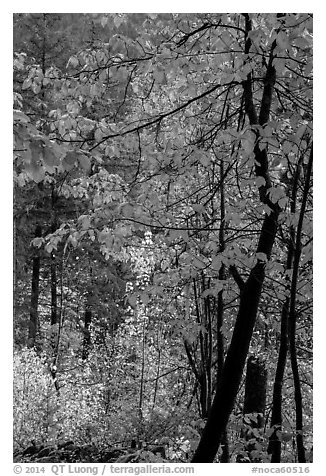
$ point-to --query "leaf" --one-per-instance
(118, 20)
(261, 257)
(164, 265)
(159, 76)
(38, 242)
(98, 134)
(282, 41)
(104, 20)
(205, 160)
(276, 193)
(73, 61)
(286, 436)
(287, 147)
(283, 202)
(216, 262)
(198, 207)
(133, 300)
(50, 158)
(36, 88)
(260, 181)
(35, 172)
(299, 133)
(72, 239)
(145, 298)
(207, 292)
(269, 432)
(27, 83)
(69, 160)
(19, 116)
(49, 247)
(247, 145)
(84, 162)
(85, 222)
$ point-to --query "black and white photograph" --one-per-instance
(162, 240)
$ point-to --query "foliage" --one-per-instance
(150, 152)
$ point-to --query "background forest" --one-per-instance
(163, 237)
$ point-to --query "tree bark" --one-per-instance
(54, 304)
(253, 408)
(87, 334)
(33, 321)
(53, 266)
(255, 388)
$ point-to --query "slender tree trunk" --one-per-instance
(55, 329)
(208, 345)
(158, 368)
(274, 447)
(293, 318)
(33, 321)
(87, 333)
(53, 265)
(203, 379)
(225, 456)
(54, 303)
(142, 385)
(222, 277)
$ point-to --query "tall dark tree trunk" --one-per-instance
(229, 382)
(53, 266)
(55, 329)
(255, 389)
(253, 408)
(87, 333)
(54, 300)
(33, 321)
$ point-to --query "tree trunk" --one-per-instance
(53, 266)
(33, 321)
(255, 389)
(54, 303)
(274, 447)
(87, 334)
(225, 456)
(293, 318)
(253, 408)
(202, 366)
(229, 383)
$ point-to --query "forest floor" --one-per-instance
(68, 452)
